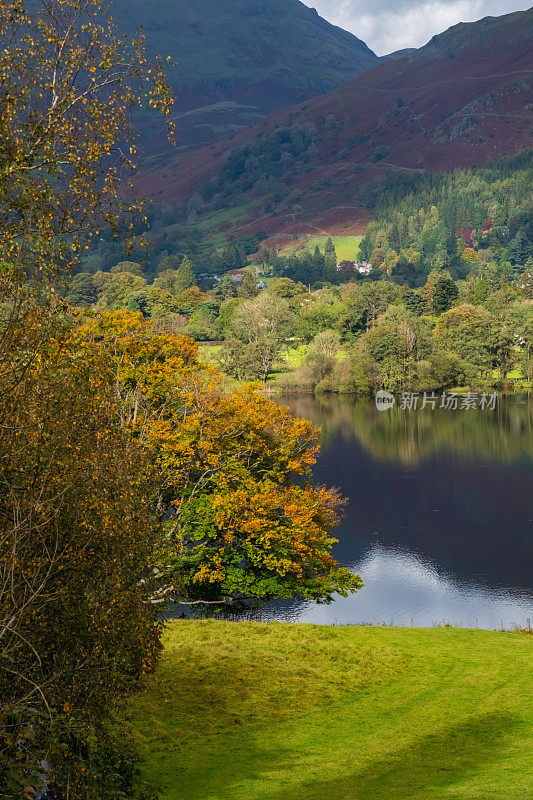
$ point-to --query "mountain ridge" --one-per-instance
(463, 99)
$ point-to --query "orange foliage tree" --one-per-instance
(240, 516)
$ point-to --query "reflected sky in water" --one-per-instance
(440, 518)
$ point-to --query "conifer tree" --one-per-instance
(184, 277)
(330, 262)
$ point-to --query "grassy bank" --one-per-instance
(300, 712)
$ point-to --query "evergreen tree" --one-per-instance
(394, 239)
(330, 262)
(445, 294)
(316, 273)
(248, 287)
(451, 244)
(520, 248)
(413, 302)
(330, 247)
(225, 289)
(365, 249)
(184, 277)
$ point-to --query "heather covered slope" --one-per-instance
(463, 99)
(235, 61)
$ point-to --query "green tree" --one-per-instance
(133, 267)
(226, 288)
(525, 284)
(444, 295)
(475, 336)
(82, 291)
(322, 354)
(248, 286)
(166, 280)
(185, 277)
(330, 262)
(519, 249)
(260, 325)
(115, 290)
(413, 302)
(286, 288)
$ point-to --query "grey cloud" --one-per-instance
(388, 25)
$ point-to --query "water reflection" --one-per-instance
(440, 520)
(400, 587)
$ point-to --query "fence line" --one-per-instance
(444, 624)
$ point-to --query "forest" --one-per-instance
(446, 303)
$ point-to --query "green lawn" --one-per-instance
(296, 355)
(250, 711)
(346, 247)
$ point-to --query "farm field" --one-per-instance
(347, 247)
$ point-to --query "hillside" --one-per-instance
(463, 99)
(235, 61)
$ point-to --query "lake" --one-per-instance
(440, 516)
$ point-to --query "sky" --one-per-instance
(389, 25)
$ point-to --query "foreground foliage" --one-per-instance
(240, 518)
(76, 629)
(292, 711)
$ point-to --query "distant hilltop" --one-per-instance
(236, 60)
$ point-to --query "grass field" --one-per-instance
(346, 247)
(250, 711)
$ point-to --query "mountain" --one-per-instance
(463, 99)
(407, 51)
(236, 60)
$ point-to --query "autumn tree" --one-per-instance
(241, 518)
(68, 84)
(72, 552)
(76, 545)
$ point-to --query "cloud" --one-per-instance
(388, 25)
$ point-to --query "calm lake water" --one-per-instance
(440, 517)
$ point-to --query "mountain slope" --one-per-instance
(236, 60)
(464, 98)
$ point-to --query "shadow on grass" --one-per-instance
(427, 769)
(436, 761)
